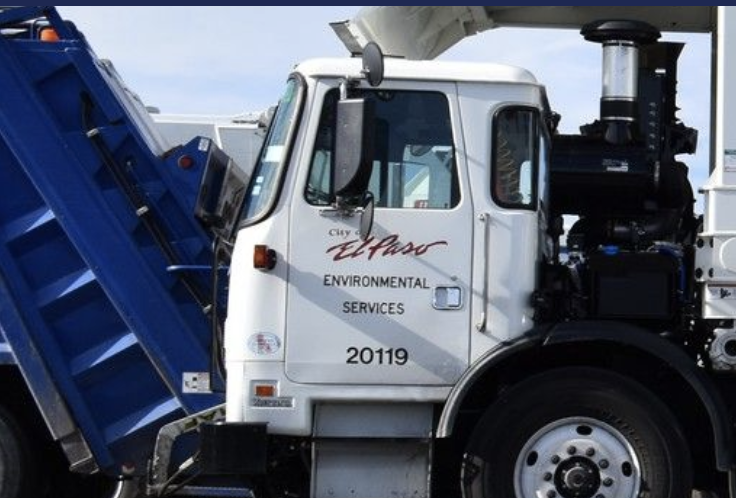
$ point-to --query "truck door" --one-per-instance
(394, 308)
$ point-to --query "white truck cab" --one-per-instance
(408, 315)
(447, 269)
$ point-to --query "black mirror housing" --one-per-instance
(221, 192)
(354, 143)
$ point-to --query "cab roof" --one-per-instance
(401, 69)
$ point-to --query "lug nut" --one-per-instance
(590, 452)
(603, 464)
(607, 482)
(551, 493)
(555, 459)
(572, 450)
(547, 476)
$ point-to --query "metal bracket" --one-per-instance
(158, 471)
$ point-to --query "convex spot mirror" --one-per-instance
(366, 218)
(373, 64)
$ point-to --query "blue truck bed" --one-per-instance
(93, 215)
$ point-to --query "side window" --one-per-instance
(515, 158)
(414, 158)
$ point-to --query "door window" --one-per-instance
(414, 157)
(515, 158)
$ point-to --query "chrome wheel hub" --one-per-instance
(577, 457)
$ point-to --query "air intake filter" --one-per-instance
(619, 98)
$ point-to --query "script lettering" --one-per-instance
(372, 248)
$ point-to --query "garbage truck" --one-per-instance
(390, 303)
(106, 289)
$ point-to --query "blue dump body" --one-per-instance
(92, 217)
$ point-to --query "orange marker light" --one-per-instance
(49, 35)
(263, 257)
(265, 390)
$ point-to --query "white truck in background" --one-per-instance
(240, 136)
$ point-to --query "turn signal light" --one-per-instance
(264, 258)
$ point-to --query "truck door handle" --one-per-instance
(482, 322)
(447, 298)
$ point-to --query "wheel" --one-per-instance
(17, 471)
(577, 433)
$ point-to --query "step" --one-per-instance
(142, 419)
(214, 492)
(65, 287)
(103, 355)
(28, 223)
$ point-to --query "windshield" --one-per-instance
(271, 163)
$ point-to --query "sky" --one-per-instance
(230, 60)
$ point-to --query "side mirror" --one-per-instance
(221, 190)
(354, 142)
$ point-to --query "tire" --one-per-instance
(577, 433)
(17, 471)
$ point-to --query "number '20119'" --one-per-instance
(378, 356)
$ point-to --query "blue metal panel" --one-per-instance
(87, 304)
(6, 354)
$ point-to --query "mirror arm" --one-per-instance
(346, 84)
(343, 89)
(342, 212)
